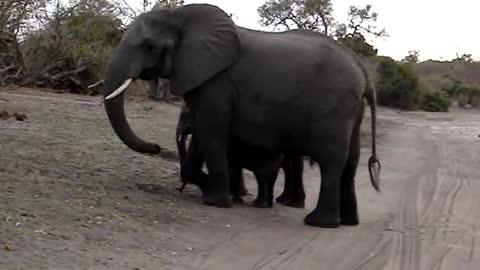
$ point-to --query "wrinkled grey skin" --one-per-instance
(295, 92)
(264, 166)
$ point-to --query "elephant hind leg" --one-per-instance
(348, 197)
(331, 160)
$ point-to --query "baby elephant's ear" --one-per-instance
(209, 44)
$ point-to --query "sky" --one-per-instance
(439, 29)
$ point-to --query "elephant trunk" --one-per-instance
(115, 79)
(184, 128)
(181, 140)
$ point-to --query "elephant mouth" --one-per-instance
(149, 74)
(146, 75)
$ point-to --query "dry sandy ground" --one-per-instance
(72, 196)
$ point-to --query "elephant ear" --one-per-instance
(208, 44)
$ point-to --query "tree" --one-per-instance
(361, 22)
(14, 18)
(129, 12)
(465, 58)
(317, 15)
(64, 45)
(165, 3)
(412, 57)
(359, 45)
(305, 14)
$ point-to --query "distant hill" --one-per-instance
(437, 73)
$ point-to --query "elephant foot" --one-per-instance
(237, 199)
(349, 219)
(293, 203)
(348, 209)
(259, 203)
(318, 219)
(221, 201)
(290, 202)
(282, 198)
(349, 222)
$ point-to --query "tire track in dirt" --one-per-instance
(439, 211)
(406, 244)
(459, 231)
(400, 246)
(447, 239)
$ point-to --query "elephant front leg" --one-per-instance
(266, 178)
(293, 192)
(217, 189)
(191, 166)
(270, 187)
(261, 199)
(237, 183)
(212, 136)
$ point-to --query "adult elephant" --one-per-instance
(293, 194)
(296, 92)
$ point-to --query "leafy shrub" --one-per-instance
(398, 84)
(464, 94)
(359, 45)
(435, 102)
(455, 89)
(71, 53)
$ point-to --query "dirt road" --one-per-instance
(72, 196)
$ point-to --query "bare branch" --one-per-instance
(7, 69)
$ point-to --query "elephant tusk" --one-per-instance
(120, 89)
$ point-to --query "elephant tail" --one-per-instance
(374, 164)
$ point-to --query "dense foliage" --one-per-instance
(435, 102)
(398, 85)
(62, 44)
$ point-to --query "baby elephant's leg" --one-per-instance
(266, 177)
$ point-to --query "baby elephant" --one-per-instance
(264, 165)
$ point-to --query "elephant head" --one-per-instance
(187, 45)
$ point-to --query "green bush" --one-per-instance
(435, 102)
(464, 94)
(455, 89)
(398, 85)
(83, 40)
